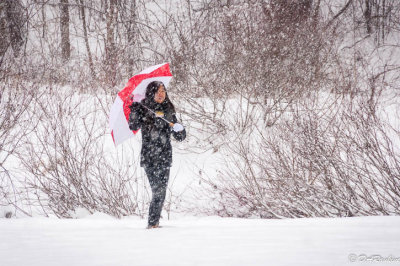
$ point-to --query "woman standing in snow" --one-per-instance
(156, 155)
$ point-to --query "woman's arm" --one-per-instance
(135, 116)
(178, 135)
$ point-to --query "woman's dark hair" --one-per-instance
(151, 90)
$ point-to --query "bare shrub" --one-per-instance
(70, 164)
(15, 98)
(338, 161)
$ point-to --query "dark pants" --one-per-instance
(158, 179)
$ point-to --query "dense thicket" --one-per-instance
(297, 99)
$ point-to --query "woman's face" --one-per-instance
(159, 97)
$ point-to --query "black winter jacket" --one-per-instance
(156, 133)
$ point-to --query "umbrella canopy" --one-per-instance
(136, 87)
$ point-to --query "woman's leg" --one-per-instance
(158, 179)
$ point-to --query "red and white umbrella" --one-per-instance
(136, 87)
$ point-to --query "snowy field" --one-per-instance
(102, 240)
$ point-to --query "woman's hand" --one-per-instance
(134, 106)
(159, 114)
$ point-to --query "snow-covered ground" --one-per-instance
(102, 240)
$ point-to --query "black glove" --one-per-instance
(134, 106)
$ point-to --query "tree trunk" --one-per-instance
(13, 26)
(64, 25)
(4, 43)
(131, 37)
(367, 15)
(110, 45)
(82, 9)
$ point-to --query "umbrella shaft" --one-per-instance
(170, 123)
